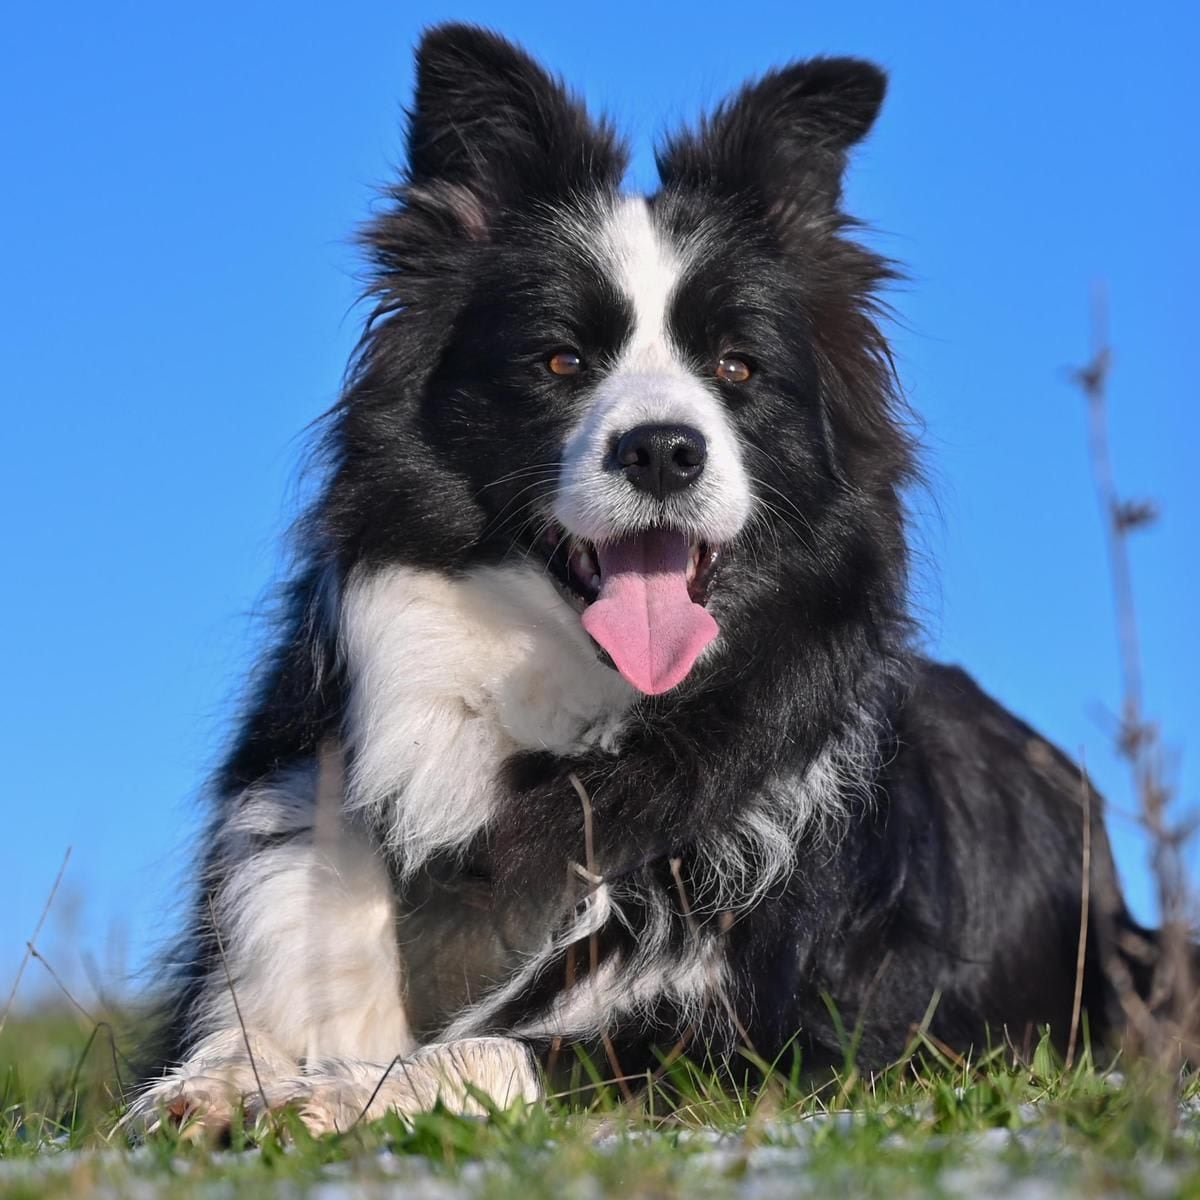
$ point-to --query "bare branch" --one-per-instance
(237, 1008)
(29, 945)
(589, 853)
(1163, 1022)
(1085, 896)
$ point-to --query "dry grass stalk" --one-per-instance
(1162, 1028)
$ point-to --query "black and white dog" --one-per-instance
(595, 719)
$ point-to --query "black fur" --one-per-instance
(955, 870)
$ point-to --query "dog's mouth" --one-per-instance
(642, 599)
(576, 566)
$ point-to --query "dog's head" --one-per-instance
(680, 406)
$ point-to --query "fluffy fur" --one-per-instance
(450, 836)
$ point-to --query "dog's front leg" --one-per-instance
(292, 959)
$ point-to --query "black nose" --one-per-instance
(661, 459)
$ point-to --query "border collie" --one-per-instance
(595, 721)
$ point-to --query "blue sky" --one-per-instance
(177, 303)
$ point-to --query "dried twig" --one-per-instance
(1085, 892)
(33, 952)
(106, 1028)
(397, 1061)
(237, 1008)
(98, 1025)
(726, 1003)
(594, 877)
(1162, 1024)
(29, 945)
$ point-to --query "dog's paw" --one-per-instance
(200, 1107)
(201, 1098)
(202, 1095)
(473, 1076)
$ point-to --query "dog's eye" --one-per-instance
(565, 362)
(733, 370)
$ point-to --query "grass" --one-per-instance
(931, 1125)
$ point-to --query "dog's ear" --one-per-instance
(491, 125)
(781, 143)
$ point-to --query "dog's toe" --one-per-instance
(200, 1108)
(324, 1107)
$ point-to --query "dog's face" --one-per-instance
(673, 405)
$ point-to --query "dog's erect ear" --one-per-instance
(782, 141)
(490, 120)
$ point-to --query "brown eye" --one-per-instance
(565, 362)
(733, 370)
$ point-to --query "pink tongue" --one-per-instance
(644, 616)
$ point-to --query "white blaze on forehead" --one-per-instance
(649, 384)
(646, 268)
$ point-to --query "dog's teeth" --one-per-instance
(596, 582)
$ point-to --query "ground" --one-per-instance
(933, 1126)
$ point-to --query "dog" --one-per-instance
(595, 724)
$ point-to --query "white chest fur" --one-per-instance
(449, 677)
